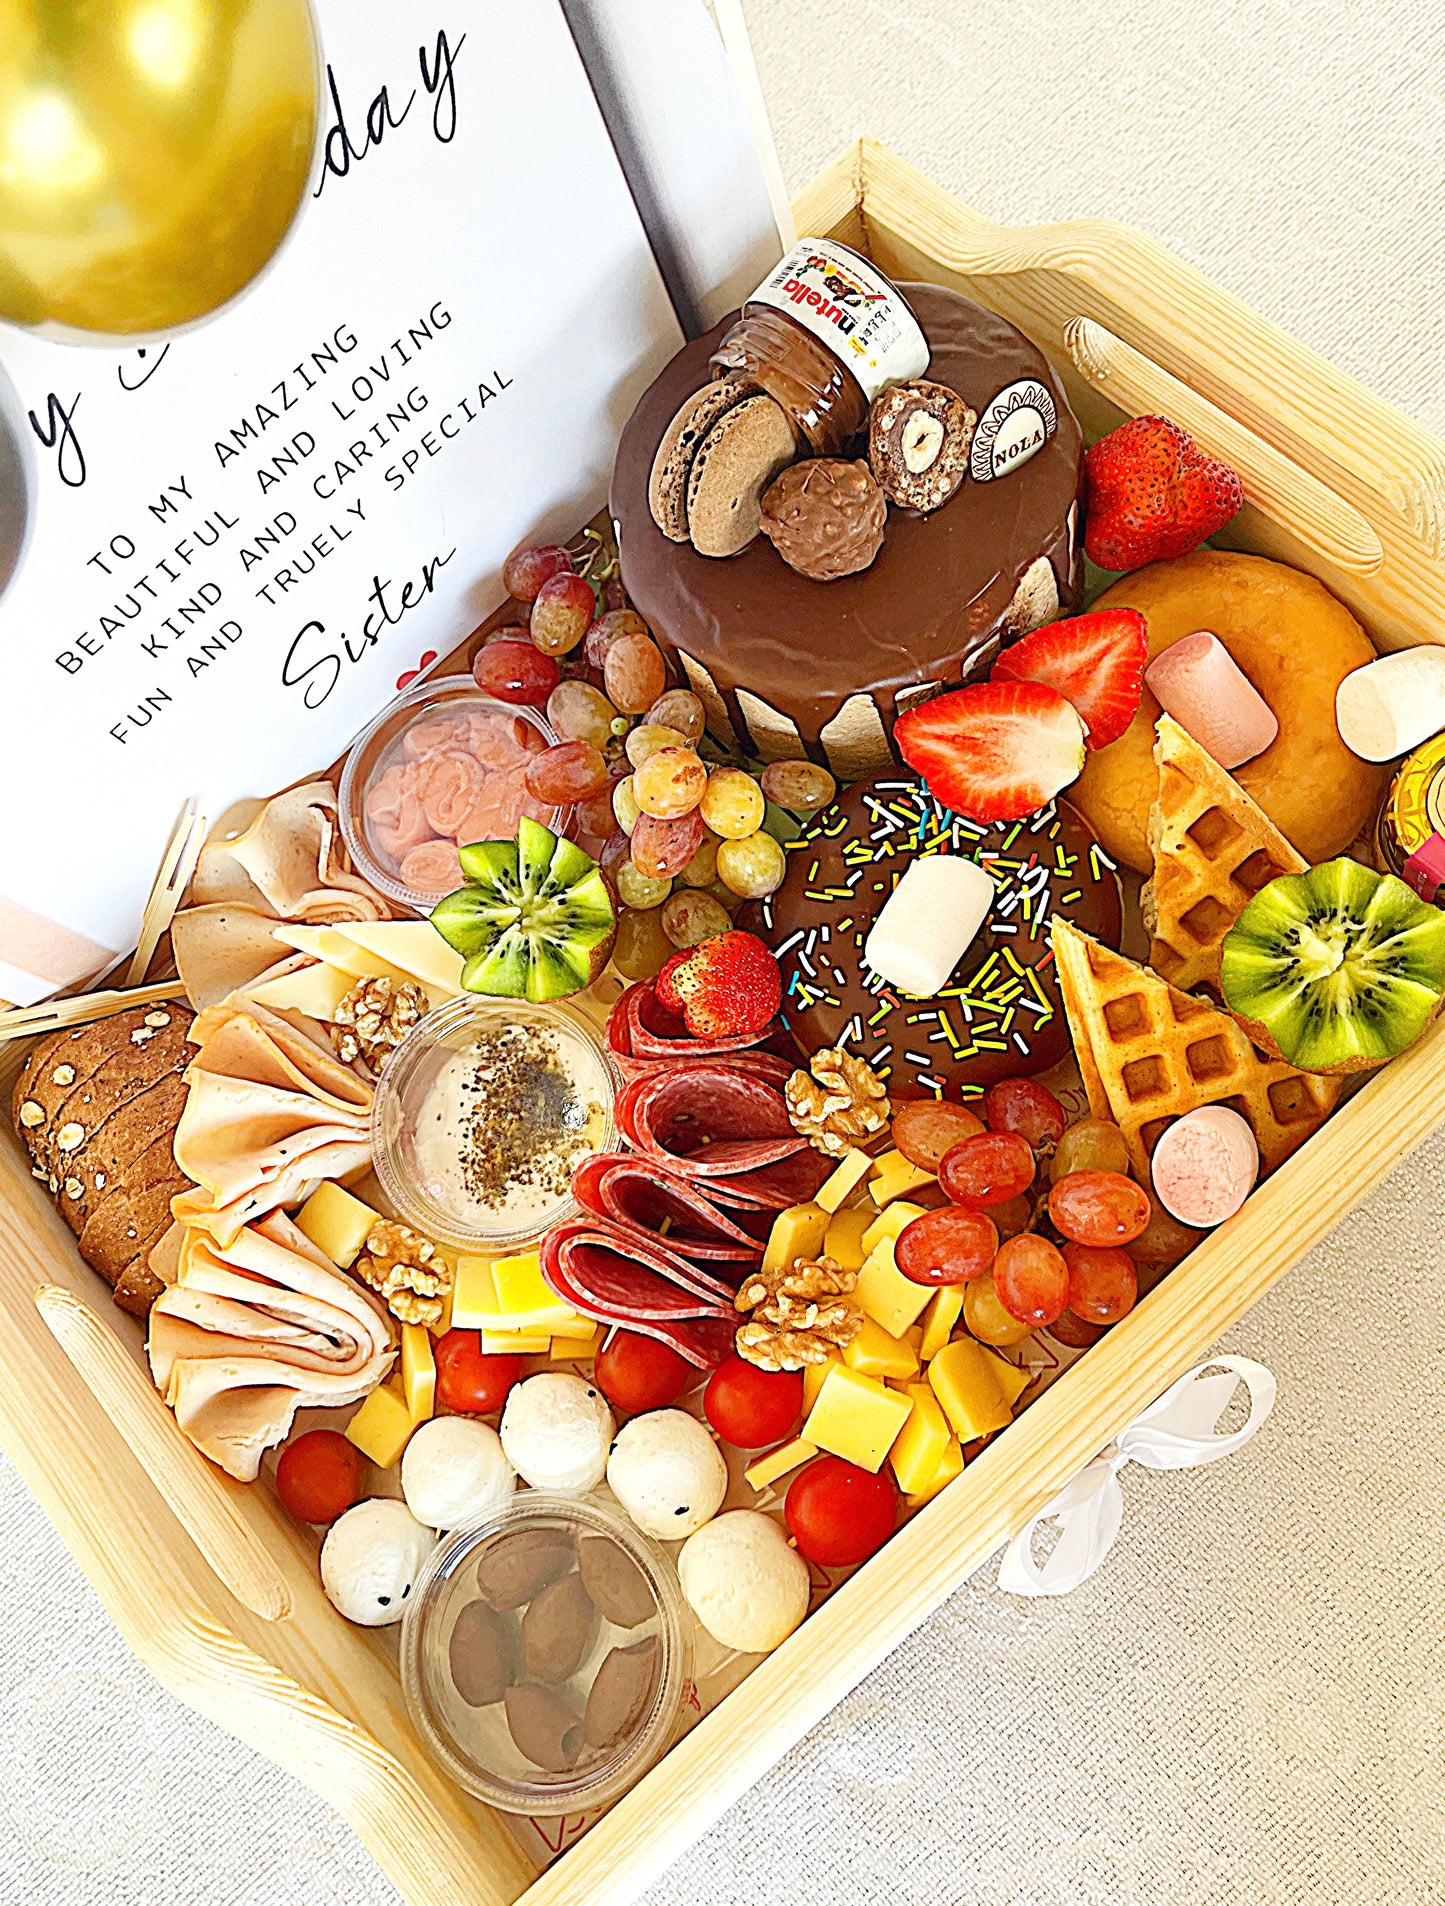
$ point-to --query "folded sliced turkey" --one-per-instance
(255, 1329)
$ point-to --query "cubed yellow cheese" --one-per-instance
(418, 1372)
(921, 1442)
(893, 1175)
(565, 1349)
(848, 1174)
(444, 1323)
(525, 1302)
(414, 946)
(1009, 1377)
(843, 1241)
(317, 990)
(889, 1223)
(877, 1354)
(885, 1294)
(945, 1307)
(382, 1426)
(516, 1343)
(950, 1464)
(813, 1375)
(326, 943)
(856, 1417)
(797, 1232)
(336, 1223)
(779, 1461)
(474, 1296)
(965, 1381)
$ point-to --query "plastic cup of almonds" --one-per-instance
(483, 1113)
(441, 766)
(544, 1654)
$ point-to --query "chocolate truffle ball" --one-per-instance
(825, 517)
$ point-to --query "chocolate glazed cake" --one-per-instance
(822, 667)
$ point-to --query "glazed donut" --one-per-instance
(1296, 643)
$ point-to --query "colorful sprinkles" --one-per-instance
(999, 1003)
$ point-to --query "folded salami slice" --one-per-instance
(643, 1035)
(639, 1196)
(609, 1274)
(709, 1120)
(773, 1187)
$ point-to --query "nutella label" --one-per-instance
(1015, 425)
(1425, 869)
(853, 309)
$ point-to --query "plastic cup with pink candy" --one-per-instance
(442, 766)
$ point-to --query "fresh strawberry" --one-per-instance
(722, 987)
(1153, 493)
(1095, 661)
(996, 750)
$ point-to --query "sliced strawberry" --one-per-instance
(722, 987)
(994, 751)
(1153, 494)
(1095, 661)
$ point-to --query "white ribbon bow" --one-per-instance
(1177, 1432)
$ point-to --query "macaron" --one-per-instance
(1204, 1166)
(736, 461)
(671, 467)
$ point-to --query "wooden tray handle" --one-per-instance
(197, 1494)
(1272, 482)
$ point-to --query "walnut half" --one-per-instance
(402, 1267)
(838, 1102)
(800, 1314)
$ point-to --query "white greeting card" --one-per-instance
(242, 539)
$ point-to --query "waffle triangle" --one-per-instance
(1214, 848)
(1149, 1053)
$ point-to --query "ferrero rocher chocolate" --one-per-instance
(825, 517)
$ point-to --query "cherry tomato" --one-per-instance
(639, 1373)
(838, 1514)
(468, 1380)
(749, 1407)
(319, 1476)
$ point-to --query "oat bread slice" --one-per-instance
(108, 1154)
(149, 1052)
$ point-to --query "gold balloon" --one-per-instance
(153, 154)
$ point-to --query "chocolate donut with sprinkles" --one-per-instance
(1000, 1015)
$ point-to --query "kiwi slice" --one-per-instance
(535, 919)
(1337, 969)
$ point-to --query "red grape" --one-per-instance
(1099, 1207)
(923, 1130)
(594, 815)
(605, 631)
(1031, 1279)
(1016, 1215)
(572, 771)
(516, 672)
(1094, 1144)
(949, 1246)
(663, 848)
(986, 1317)
(988, 1169)
(1103, 1283)
(1164, 1241)
(562, 613)
(1074, 1331)
(525, 570)
(1026, 1107)
(634, 673)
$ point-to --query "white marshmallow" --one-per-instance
(1389, 707)
(370, 1560)
(928, 923)
(556, 1429)
(455, 1470)
(667, 1473)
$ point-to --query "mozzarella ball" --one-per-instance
(556, 1429)
(667, 1473)
(454, 1471)
(742, 1581)
(371, 1558)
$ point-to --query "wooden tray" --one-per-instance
(210, 1582)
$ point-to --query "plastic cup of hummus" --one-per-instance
(441, 766)
(482, 1115)
(544, 1654)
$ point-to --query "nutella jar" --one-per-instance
(1410, 832)
(823, 334)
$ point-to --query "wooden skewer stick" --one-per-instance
(24, 1022)
(173, 876)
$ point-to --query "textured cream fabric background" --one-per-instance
(1245, 1705)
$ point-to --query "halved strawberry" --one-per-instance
(1095, 661)
(1153, 494)
(722, 987)
(996, 750)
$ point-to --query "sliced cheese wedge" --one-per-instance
(332, 946)
(413, 945)
(317, 990)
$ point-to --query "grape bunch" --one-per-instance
(1042, 1224)
(681, 840)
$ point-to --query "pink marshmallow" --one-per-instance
(1200, 684)
(1205, 1165)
